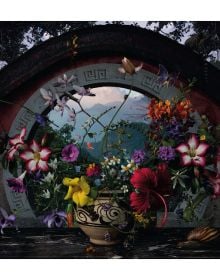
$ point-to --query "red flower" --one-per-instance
(145, 181)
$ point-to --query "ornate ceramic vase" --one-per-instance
(102, 221)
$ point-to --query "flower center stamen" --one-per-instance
(37, 156)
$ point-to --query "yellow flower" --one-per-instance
(202, 137)
(78, 191)
(140, 219)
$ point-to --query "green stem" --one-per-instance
(105, 137)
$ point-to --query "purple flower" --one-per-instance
(166, 153)
(40, 119)
(107, 236)
(70, 153)
(138, 156)
(17, 184)
(6, 220)
(55, 219)
(106, 206)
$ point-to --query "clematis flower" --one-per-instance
(193, 152)
(128, 67)
(55, 219)
(17, 184)
(6, 220)
(36, 157)
(70, 153)
(16, 142)
(145, 182)
(78, 191)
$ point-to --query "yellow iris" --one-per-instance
(78, 191)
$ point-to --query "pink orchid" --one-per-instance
(47, 95)
(36, 157)
(193, 152)
(16, 142)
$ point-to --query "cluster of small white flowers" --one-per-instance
(130, 167)
(88, 123)
(110, 162)
(124, 188)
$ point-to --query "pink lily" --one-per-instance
(193, 152)
(83, 91)
(36, 157)
(16, 142)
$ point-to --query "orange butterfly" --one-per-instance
(89, 146)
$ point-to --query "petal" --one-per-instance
(121, 70)
(71, 182)
(84, 185)
(34, 146)
(23, 132)
(80, 198)
(42, 165)
(11, 153)
(202, 148)
(62, 214)
(11, 218)
(31, 165)
(199, 161)
(182, 148)
(69, 193)
(186, 160)
(27, 155)
(45, 153)
(193, 142)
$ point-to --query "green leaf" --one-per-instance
(93, 193)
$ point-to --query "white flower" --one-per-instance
(57, 187)
(48, 178)
(124, 188)
(46, 194)
(130, 167)
(53, 164)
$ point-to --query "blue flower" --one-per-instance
(55, 219)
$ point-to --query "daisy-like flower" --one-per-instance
(78, 191)
(36, 157)
(6, 220)
(128, 67)
(193, 152)
(55, 219)
(17, 184)
(16, 142)
(46, 194)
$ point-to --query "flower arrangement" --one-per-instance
(178, 162)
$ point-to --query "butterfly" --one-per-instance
(128, 67)
(89, 146)
(166, 79)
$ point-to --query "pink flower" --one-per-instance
(36, 157)
(70, 153)
(16, 142)
(193, 152)
(17, 184)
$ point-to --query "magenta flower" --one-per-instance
(193, 152)
(17, 184)
(16, 142)
(36, 157)
(70, 153)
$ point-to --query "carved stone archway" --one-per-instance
(100, 50)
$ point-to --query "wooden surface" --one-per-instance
(73, 244)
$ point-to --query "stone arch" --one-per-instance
(100, 50)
